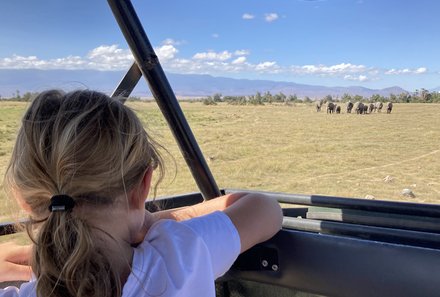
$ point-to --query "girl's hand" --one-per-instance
(14, 262)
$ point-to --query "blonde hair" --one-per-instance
(93, 148)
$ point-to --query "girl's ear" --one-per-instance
(139, 194)
(21, 202)
(146, 182)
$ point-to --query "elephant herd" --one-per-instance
(358, 107)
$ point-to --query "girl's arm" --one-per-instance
(14, 262)
(257, 217)
(197, 210)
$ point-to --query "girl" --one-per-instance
(82, 167)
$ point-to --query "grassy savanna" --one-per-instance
(293, 149)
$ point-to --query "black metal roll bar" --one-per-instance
(147, 64)
(404, 208)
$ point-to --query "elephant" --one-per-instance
(389, 107)
(378, 106)
(365, 109)
(349, 106)
(338, 109)
(371, 108)
(355, 106)
(319, 105)
(360, 108)
(331, 107)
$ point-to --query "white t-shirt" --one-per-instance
(175, 259)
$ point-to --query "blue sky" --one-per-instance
(371, 43)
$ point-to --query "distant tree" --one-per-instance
(255, 100)
(209, 101)
(267, 97)
(280, 97)
(28, 96)
(357, 98)
(259, 98)
(293, 98)
(328, 98)
(377, 98)
(421, 95)
(217, 97)
(392, 98)
(425, 95)
(307, 99)
(435, 97)
(404, 97)
(346, 97)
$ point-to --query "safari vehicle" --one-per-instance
(329, 246)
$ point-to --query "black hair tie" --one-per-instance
(61, 203)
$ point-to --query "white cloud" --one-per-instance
(419, 70)
(70, 62)
(111, 57)
(363, 78)
(266, 66)
(329, 70)
(170, 41)
(108, 57)
(241, 53)
(397, 71)
(247, 16)
(166, 52)
(239, 60)
(360, 78)
(211, 55)
(104, 57)
(21, 62)
(104, 50)
(270, 17)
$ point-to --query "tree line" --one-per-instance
(28, 96)
(419, 96)
(17, 96)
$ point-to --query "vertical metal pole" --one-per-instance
(151, 69)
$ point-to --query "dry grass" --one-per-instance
(294, 149)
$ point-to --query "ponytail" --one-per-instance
(68, 262)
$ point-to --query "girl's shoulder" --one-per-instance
(26, 289)
(179, 256)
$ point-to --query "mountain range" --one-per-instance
(184, 85)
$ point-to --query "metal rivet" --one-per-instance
(275, 267)
(264, 263)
